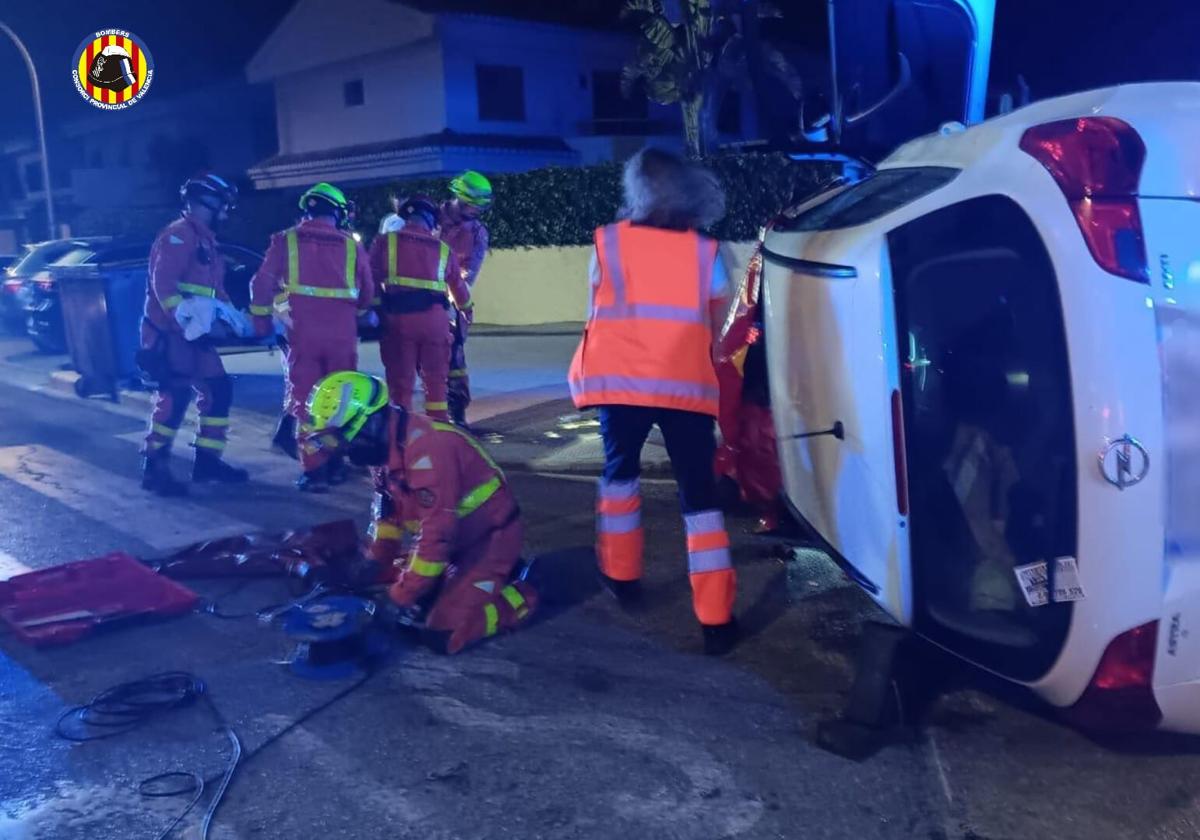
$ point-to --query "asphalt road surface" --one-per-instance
(592, 723)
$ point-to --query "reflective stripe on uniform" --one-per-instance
(437, 406)
(214, 421)
(417, 283)
(294, 287)
(707, 542)
(163, 429)
(426, 568)
(384, 531)
(172, 301)
(477, 497)
(208, 443)
(197, 290)
(458, 372)
(623, 524)
(491, 616)
(450, 427)
(515, 600)
(619, 507)
(651, 312)
(257, 309)
(638, 385)
(421, 283)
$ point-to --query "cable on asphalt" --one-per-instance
(129, 706)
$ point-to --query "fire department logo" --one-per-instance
(112, 69)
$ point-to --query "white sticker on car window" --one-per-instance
(1032, 580)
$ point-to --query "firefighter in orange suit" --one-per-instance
(462, 228)
(419, 278)
(185, 263)
(316, 278)
(658, 296)
(457, 575)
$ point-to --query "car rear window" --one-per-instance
(38, 258)
(76, 256)
(866, 201)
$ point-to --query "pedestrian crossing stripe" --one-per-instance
(268, 467)
(124, 506)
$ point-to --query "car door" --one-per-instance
(834, 375)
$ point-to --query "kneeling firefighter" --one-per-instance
(440, 488)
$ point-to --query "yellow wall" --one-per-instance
(522, 286)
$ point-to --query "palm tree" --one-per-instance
(689, 62)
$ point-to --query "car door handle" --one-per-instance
(838, 431)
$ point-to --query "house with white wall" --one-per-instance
(401, 92)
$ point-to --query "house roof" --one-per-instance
(315, 33)
(390, 148)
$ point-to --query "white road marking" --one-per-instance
(11, 567)
(941, 767)
(114, 500)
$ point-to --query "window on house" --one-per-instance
(608, 103)
(729, 118)
(501, 93)
(353, 93)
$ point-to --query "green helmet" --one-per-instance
(324, 192)
(344, 401)
(472, 188)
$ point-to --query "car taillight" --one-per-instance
(1121, 693)
(12, 285)
(1097, 163)
(901, 457)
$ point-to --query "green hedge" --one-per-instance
(552, 206)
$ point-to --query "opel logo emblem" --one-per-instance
(1124, 462)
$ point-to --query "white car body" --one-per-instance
(1133, 358)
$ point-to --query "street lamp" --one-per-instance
(41, 125)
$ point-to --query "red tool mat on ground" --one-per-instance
(61, 605)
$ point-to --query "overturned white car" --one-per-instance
(985, 357)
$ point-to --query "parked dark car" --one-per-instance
(17, 276)
(44, 322)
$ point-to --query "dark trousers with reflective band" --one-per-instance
(691, 446)
(459, 392)
(195, 368)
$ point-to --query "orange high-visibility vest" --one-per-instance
(648, 339)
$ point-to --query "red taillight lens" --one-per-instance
(1097, 163)
(12, 286)
(1121, 693)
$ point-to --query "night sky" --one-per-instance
(1059, 45)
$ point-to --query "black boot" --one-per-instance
(157, 478)
(336, 471)
(208, 466)
(458, 413)
(285, 436)
(313, 481)
(628, 593)
(720, 639)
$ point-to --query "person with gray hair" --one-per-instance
(659, 293)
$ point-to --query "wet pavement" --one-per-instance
(592, 723)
